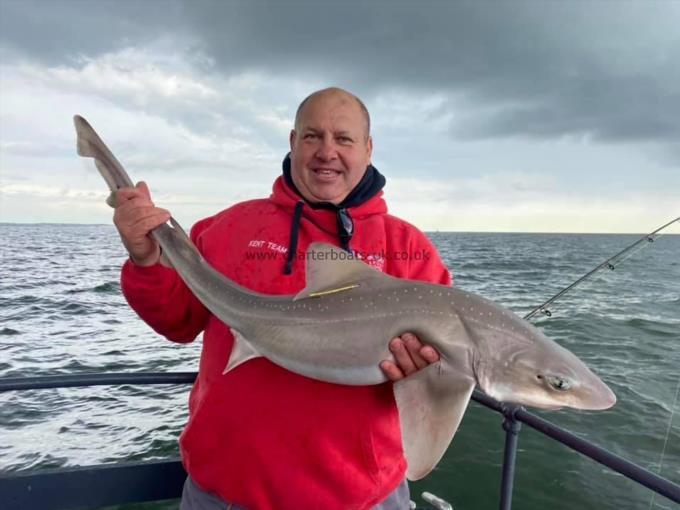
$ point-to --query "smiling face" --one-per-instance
(330, 147)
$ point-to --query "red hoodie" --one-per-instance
(260, 436)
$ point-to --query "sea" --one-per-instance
(62, 312)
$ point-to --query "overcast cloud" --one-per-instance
(558, 116)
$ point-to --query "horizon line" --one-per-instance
(439, 231)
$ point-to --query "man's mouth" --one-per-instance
(326, 172)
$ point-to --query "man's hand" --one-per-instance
(135, 216)
(410, 356)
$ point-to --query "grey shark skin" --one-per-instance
(338, 329)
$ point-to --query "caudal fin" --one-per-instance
(90, 145)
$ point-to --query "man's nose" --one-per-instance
(327, 150)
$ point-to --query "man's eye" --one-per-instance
(345, 139)
(309, 135)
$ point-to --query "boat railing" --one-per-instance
(134, 482)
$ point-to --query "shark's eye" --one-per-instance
(558, 383)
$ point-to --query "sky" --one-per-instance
(540, 116)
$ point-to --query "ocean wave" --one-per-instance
(656, 325)
(9, 331)
(73, 320)
(108, 288)
(74, 308)
(39, 461)
(25, 300)
(104, 288)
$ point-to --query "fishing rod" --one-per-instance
(610, 264)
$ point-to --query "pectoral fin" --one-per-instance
(431, 404)
(241, 352)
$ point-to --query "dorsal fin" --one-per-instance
(330, 269)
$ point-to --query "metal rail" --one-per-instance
(97, 486)
(517, 414)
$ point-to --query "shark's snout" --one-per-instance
(598, 397)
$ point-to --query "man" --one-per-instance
(261, 437)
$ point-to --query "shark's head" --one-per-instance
(545, 375)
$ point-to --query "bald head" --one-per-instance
(339, 95)
(330, 147)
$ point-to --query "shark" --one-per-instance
(337, 329)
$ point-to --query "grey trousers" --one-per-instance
(195, 498)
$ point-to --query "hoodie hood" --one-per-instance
(338, 220)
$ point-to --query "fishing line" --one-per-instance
(609, 264)
(665, 442)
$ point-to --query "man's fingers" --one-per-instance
(410, 355)
(135, 209)
(429, 354)
(413, 347)
(391, 371)
(140, 191)
(143, 225)
(144, 189)
(125, 194)
(132, 206)
(135, 227)
(402, 356)
(133, 219)
(135, 215)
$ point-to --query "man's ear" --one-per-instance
(291, 138)
(369, 147)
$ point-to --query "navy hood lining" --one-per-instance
(369, 186)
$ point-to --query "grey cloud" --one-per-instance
(609, 71)
(58, 32)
